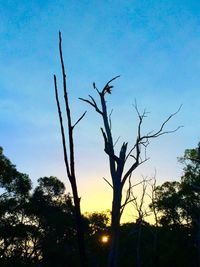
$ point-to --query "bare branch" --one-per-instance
(61, 128)
(116, 141)
(144, 140)
(128, 193)
(135, 164)
(160, 131)
(93, 104)
(107, 88)
(94, 86)
(81, 117)
(144, 187)
(140, 116)
(107, 182)
(143, 161)
(128, 198)
(139, 204)
(68, 112)
(152, 197)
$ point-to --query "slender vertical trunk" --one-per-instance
(113, 259)
(70, 162)
(79, 227)
(155, 241)
(70, 168)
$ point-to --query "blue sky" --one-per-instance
(153, 45)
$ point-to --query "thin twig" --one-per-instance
(107, 182)
(81, 117)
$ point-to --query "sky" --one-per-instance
(153, 45)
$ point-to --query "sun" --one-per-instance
(105, 239)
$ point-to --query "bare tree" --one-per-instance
(152, 196)
(141, 213)
(69, 160)
(117, 161)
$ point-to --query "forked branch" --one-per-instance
(70, 162)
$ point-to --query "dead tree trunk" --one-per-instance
(69, 161)
(141, 214)
(115, 226)
(155, 214)
(117, 162)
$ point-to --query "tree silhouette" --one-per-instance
(69, 160)
(54, 217)
(14, 233)
(119, 170)
(37, 228)
(190, 191)
(153, 208)
(178, 203)
(141, 213)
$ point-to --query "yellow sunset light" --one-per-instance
(105, 239)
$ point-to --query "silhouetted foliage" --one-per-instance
(179, 202)
(37, 226)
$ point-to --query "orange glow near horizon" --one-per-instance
(104, 239)
(97, 197)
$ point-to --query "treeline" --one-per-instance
(37, 226)
(174, 239)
